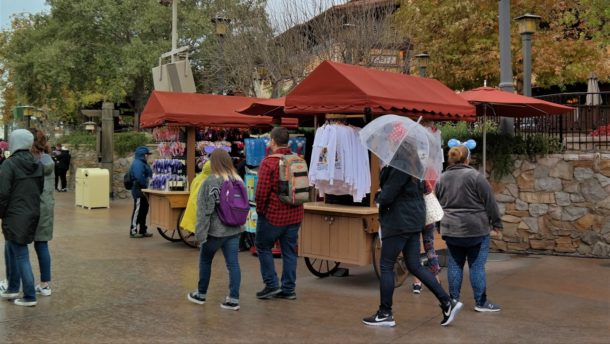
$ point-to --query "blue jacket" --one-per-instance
(402, 209)
(140, 171)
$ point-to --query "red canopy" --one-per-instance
(508, 104)
(265, 107)
(341, 88)
(202, 110)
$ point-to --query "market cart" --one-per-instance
(334, 234)
(190, 111)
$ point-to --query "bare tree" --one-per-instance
(254, 53)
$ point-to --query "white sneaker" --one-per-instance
(46, 291)
(10, 296)
(3, 286)
(24, 302)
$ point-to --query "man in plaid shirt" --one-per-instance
(276, 221)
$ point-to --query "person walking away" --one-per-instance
(44, 231)
(470, 214)
(427, 236)
(402, 213)
(140, 173)
(215, 231)
(21, 183)
(277, 220)
(63, 165)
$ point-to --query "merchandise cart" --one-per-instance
(343, 234)
(190, 111)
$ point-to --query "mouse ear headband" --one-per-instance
(470, 144)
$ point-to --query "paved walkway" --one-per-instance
(108, 288)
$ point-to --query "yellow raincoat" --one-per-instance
(189, 220)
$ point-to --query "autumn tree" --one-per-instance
(462, 39)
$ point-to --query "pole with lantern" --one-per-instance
(221, 28)
(527, 27)
(422, 63)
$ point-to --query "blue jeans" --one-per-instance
(408, 244)
(266, 236)
(44, 260)
(477, 257)
(20, 270)
(230, 248)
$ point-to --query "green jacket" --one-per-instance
(21, 183)
(44, 232)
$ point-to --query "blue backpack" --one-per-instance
(234, 206)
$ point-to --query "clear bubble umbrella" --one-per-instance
(405, 145)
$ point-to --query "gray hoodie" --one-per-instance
(208, 222)
(468, 202)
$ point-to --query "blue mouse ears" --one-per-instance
(470, 144)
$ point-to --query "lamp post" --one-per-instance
(221, 28)
(174, 4)
(527, 26)
(422, 63)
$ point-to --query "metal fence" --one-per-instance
(587, 128)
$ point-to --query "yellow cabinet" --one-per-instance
(92, 188)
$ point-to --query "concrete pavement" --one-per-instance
(108, 288)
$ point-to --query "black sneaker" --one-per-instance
(137, 235)
(195, 297)
(268, 293)
(147, 235)
(450, 310)
(380, 319)
(487, 307)
(234, 306)
(416, 288)
(286, 295)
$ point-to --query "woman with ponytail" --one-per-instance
(471, 213)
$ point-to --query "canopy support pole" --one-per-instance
(190, 154)
(485, 142)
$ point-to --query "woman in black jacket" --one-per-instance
(402, 213)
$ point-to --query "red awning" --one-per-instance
(341, 88)
(202, 110)
(506, 104)
(265, 107)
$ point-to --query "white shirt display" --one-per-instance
(340, 163)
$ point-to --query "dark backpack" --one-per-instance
(293, 180)
(128, 181)
(234, 206)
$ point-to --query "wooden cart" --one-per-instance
(332, 234)
(166, 211)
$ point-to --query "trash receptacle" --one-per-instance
(94, 187)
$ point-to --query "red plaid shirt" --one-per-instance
(268, 203)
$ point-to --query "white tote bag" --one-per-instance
(434, 211)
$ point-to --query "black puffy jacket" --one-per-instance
(21, 183)
(402, 208)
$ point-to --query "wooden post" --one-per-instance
(107, 146)
(190, 154)
(374, 162)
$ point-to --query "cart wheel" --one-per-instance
(169, 234)
(400, 268)
(187, 237)
(320, 267)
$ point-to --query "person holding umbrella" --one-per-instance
(402, 209)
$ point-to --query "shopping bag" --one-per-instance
(434, 211)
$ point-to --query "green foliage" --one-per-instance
(78, 138)
(125, 143)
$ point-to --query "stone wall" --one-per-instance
(85, 156)
(559, 204)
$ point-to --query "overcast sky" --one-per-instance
(275, 7)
